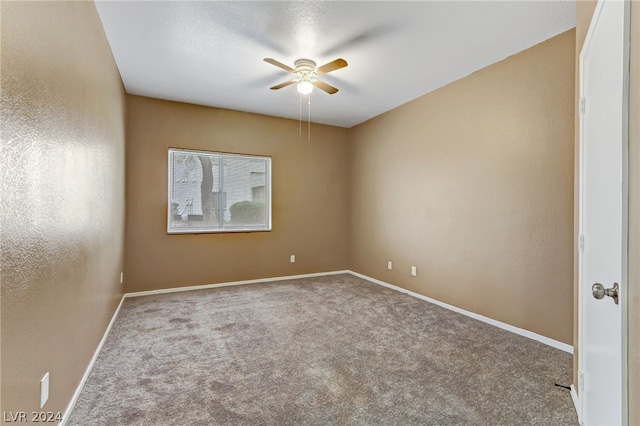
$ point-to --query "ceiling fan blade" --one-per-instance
(331, 66)
(324, 86)
(285, 84)
(279, 65)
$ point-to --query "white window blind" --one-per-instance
(218, 192)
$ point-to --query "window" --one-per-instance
(215, 192)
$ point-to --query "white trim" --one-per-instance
(231, 283)
(526, 333)
(576, 403)
(87, 372)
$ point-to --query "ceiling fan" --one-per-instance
(306, 72)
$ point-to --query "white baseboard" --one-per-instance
(526, 333)
(576, 403)
(87, 372)
(231, 283)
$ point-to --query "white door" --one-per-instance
(603, 215)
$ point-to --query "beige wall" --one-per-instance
(62, 168)
(310, 200)
(473, 184)
(585, 11)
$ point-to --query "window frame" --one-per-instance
(267, 227)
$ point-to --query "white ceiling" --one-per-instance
(210, 53)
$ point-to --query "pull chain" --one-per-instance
(309, 121)
(308, 117)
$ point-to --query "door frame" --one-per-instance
(582, 290)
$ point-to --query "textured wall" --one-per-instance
(62, 171)
(309, 199)
(473, 184)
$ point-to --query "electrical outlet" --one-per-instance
(389, 265)
(414, 271)
(44, 390)
(121, 277)
(293, 258)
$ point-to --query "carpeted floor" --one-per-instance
(332, 350)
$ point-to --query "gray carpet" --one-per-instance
(333, 350)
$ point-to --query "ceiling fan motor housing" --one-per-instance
(305, 66)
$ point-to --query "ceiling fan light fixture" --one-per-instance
(306, 73)
(305, 86)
